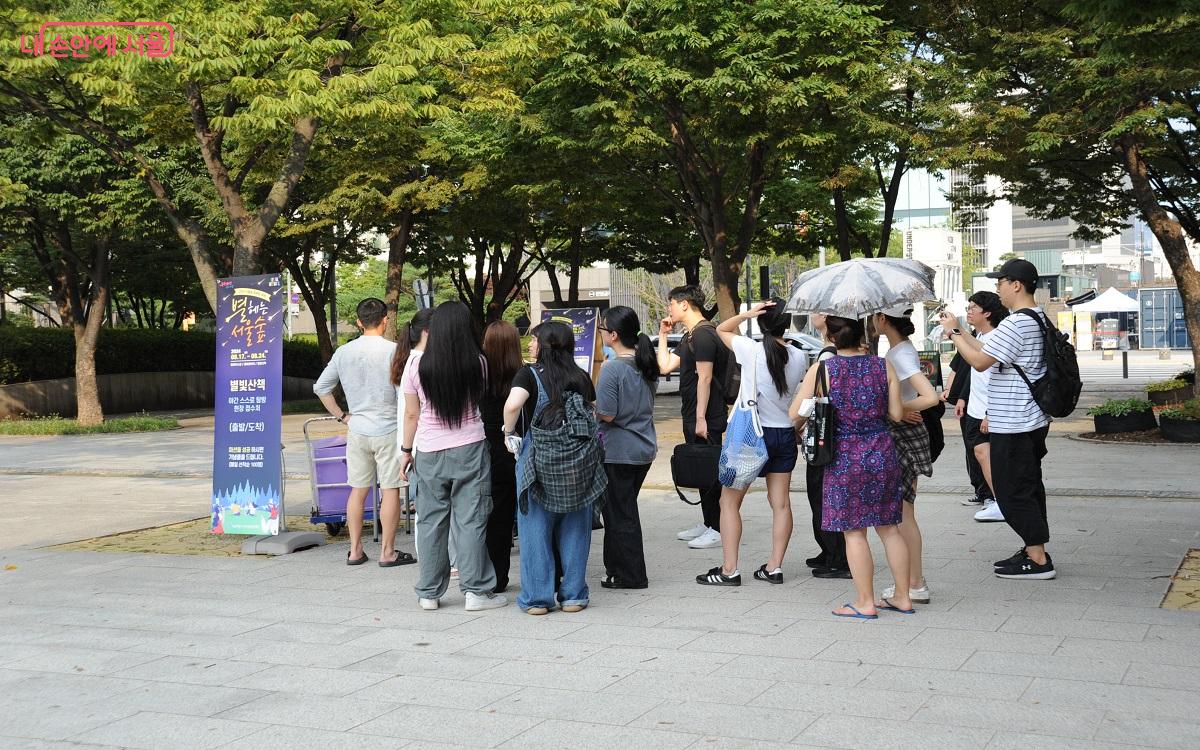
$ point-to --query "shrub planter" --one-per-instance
(1133, 422)
(1181, 430)
(1173, 396)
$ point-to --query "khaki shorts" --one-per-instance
(368, 457)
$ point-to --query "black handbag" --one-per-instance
(818, 447)
(694, 465)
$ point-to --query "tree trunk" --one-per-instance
(842, 222)
(555, 285)
(324, 339)
(136, 306)
(87, 332)
(1170, 235)
(576, 258)
(691, 271)
(726, 275)
(397, 252)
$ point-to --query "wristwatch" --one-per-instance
(955, 332)
(406, 450)
(342, 418)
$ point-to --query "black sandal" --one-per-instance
(357, 561)
(402, 558)
(762, 575)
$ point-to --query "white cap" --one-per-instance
(902, 310)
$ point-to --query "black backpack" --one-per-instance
(727, 372)
(1057, 392)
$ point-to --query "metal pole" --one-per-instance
(1125, 365)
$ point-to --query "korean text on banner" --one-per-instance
(247, 466)
(583, 322)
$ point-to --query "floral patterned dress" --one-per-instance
(862, 485)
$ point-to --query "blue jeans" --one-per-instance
(542, 534)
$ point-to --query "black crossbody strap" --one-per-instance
(1042, 325)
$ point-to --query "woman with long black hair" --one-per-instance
(625, 407)
(453, 468)
(550, 524)
(771, 372)
(502, 350)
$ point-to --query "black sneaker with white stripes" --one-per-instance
(1028, 570)
(717, 577)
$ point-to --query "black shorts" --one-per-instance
(782, 450)
(972, 435)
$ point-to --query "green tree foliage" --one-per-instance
(1091, 110)
(73, 209)
(248, 88)
(727, 96)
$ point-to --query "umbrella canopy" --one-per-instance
(857, 288)
(1111, 301)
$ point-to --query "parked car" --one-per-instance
(668, 383)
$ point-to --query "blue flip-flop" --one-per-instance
(893, 608)
(857, 615)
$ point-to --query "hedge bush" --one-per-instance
(49, 353)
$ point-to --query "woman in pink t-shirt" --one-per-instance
(452, 469)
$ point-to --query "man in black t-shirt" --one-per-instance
(699, 356)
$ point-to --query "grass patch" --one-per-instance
(1184, 592)
(187, 538)
(60, 426)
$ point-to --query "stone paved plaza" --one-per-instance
(158, 651)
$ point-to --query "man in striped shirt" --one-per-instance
(1017, 427)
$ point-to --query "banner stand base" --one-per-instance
(283, 543)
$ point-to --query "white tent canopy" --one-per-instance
(1109, 302)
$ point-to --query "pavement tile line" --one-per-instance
(932, 489)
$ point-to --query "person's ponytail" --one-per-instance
(645, 358)
(774, 322)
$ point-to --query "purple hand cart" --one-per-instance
(328, 481)
(327, 478)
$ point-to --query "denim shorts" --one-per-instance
(782, 450)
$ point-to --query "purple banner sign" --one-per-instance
(246, 454)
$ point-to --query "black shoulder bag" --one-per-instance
(818, 447)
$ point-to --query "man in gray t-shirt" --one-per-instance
(363, 368)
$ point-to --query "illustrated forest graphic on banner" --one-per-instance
(249, 386)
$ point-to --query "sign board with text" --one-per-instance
(583, 322)
(247, 465)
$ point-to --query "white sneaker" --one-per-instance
(688, 535)
(990, 513)
(428, 603)
(707, 540)
(476, 602)
(919, 595)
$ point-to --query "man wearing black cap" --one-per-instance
(1017, 426)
